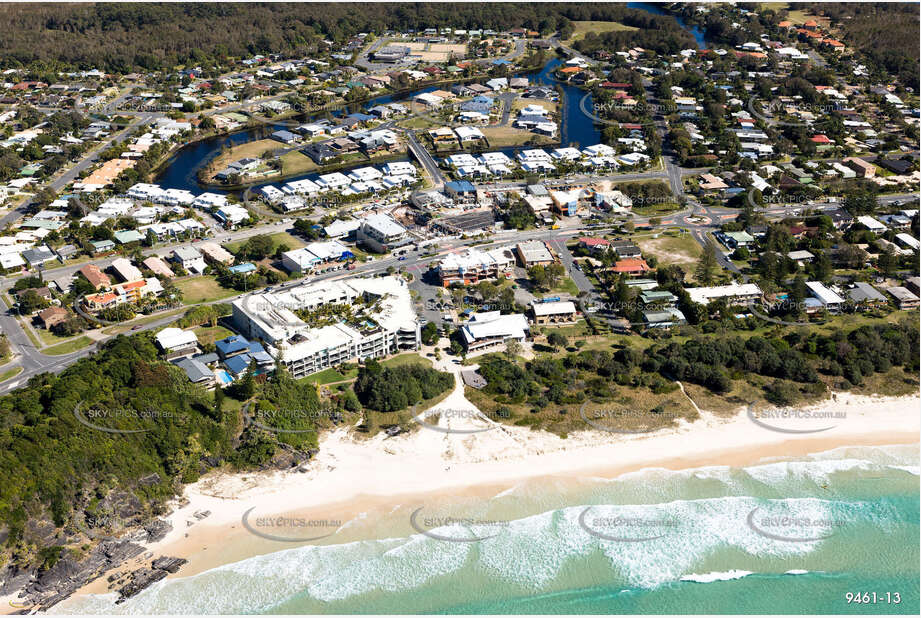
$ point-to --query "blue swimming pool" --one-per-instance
(224, 377)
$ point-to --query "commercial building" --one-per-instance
(474, 265)
(382, 321)
(492, 329)
(314, 254)
(534, 252)
(381, 233)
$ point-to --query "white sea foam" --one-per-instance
(529, 552)
(706, 578)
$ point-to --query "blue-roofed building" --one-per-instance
(460, 188)
(231, 346)
(501, 61)
(258, 353)
(245, 267)
(237, 365)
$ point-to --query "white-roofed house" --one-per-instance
(492, 329)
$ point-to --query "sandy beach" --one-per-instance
(353, 478)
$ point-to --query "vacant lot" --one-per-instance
(582, 27)
(455, 48)
(507, 136)
(671, 249)
(296, 163)
(430, 56)
(210, 334)
(202, 290)
(278, 238)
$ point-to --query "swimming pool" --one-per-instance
(224, 377)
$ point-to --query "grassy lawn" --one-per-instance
(329, 376)
(249, 149)
(202, 290)
(10, 373)
(582, 27)
(278, 238)
(408, 358)
(210, 334)
(507, 136)
(681, 249)
(578, 329)
(49, 338)
(296, 163)
(418, 122)
(66, 348)
(567, 286)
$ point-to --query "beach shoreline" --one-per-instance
(351, 479)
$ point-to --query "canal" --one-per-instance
(181, 172)
(576, 127)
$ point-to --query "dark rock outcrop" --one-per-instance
(142, 578)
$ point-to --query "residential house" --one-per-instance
(190, 260)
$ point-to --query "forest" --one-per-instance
(60, 467)
(121, 37)
(793, 364)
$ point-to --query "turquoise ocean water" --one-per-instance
(785, 537)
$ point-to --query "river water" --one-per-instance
(576, 127)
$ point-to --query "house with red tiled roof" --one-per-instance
(820, 139)
(594, 243)
(631, 266)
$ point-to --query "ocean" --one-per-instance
(818, 534)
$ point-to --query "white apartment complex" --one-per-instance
(388, 324)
